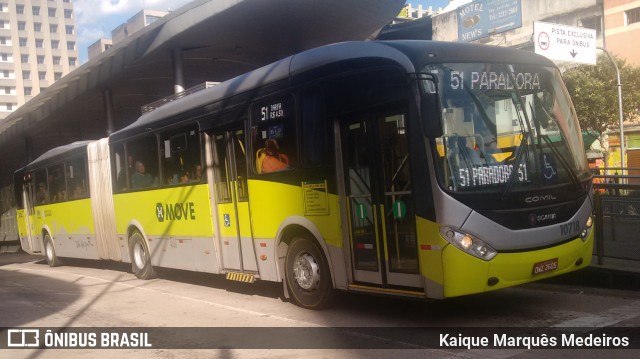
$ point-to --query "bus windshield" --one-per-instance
(506, 127)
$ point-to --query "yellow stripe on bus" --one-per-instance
(241, 277)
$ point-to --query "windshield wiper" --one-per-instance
(563, 160)
(524, 147)
(525, 131)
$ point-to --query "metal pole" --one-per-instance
(619, 109)
(178, 70)
(107, 99)
(599, 228)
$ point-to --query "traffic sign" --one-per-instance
(565, 43)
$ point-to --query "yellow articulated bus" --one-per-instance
(409, 168)
(59, 212)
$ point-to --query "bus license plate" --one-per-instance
(546, 266)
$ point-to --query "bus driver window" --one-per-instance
(274, 135)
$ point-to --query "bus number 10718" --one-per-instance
(569, 228)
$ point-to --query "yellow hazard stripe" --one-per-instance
(241, 277)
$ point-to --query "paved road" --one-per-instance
(105, 295)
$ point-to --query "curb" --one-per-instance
(600, 277)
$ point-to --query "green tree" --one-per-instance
(594, 92)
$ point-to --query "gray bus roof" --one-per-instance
(61, 151)
(404, 53)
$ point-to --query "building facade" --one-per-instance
(136, 23)
(622, 28)
(409, 12)
(579, 13)
(99, 47)
(37, 47)
(617, 25)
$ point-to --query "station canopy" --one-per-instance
(218, 40)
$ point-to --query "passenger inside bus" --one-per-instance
(269, 159)
(141, 179)
(60, 196)
(184, 177)
(42, 196)
(78, 192)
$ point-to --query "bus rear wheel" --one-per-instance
(307, 274)
(50, 252)
(140, 259)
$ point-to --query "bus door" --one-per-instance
(232, 200)
(383, 244)
(29, 214)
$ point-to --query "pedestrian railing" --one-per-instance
(617, 213)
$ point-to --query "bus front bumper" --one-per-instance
(465, 274)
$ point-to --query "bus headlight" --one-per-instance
(587, 228)
(589, 222)
(468, 243)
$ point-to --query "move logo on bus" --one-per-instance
(177, 211)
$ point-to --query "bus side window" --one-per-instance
(313, 133)
(274, 135)
(57, 187)
(144, 153)
(77, 186)
(241, 164)
(180, 154)
(221, 170)
(119, 168)
(42, 188)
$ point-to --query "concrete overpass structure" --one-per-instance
(201, 41)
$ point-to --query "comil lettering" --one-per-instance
(541, 198)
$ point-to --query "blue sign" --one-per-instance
(548, 167)
(484, 18)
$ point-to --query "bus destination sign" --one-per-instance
(273, 110)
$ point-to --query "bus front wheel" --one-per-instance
(50, 252)
(140, 259)
(307, 274)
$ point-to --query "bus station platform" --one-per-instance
(612, 273)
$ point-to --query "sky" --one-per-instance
(435, 4)
(96, 18)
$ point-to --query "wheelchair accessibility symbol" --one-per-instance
(227, 220)
(549, 167)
